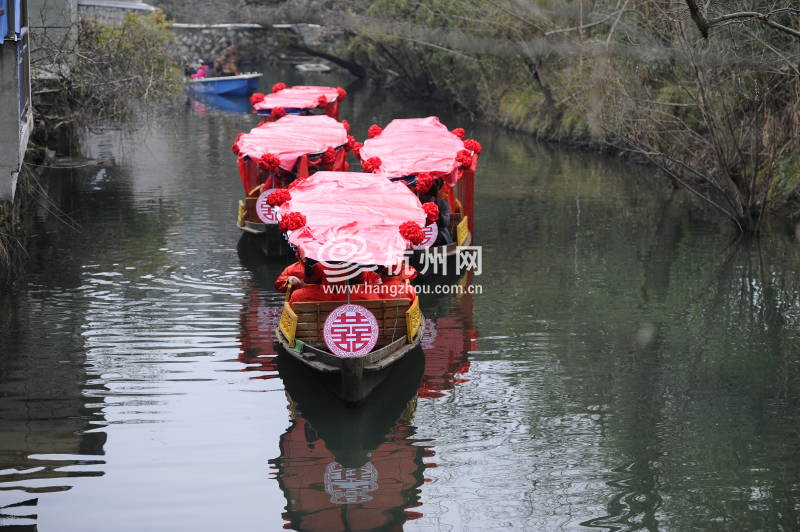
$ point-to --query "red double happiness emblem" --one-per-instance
(266, 212)
(430, 233)
(350, 331)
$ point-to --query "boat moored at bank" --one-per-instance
(240, 85)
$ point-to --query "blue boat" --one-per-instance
(229, 85)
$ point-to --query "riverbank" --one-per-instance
(719, 116)
(716, 110)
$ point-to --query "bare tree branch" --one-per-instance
(704, 24)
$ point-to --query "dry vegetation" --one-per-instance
(107, 74)
(707, 92)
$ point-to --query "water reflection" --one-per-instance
(352, 468)
(51, 419)
(625, 367)
(654, 348)
(200, 103)
(261, 309)
(450, 335)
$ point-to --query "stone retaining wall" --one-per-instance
(254, 42)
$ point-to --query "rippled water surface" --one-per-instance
(628, 365)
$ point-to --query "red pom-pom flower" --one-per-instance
(424, 182)
(351, 143)
(341, 92)
(269, 162)
(371, 164)
(431, 212)
(464, 159)
(473, 145)
(235, 146)
(256, 97)
(357, 148)
(346, 125)
(322, 101)
(374, 130)
(279, 197)
(291, 222)
(412, 232)
(458, 132)
(278, 87)
(329, 157)
(277, 113)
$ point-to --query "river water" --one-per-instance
(628, 365)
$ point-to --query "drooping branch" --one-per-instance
(704, 24)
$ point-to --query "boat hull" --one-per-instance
(243, 84)
(266, 238)
(351, 379)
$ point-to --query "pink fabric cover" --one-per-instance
(298, 97)
(291, 137)
(352, 217)
(412, 145)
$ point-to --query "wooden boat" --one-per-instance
(300, 334)
(354, 337)
(273, 155)
(425, 155)
(243, 84)
(299, 99)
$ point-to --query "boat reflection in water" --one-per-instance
(261, 310)
(200, 103)
(350, 468)
(450, 336)
(257, 324)
(358, 468)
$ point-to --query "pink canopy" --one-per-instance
(291, 137)
(412, 145)
(352, 217)
(298, 97)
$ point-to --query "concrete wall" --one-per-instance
(52, 23)
(9, 129)
(110, 12)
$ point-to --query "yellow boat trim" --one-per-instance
(462, 230)
(241, 214)
(288, 324)
(413, 320)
